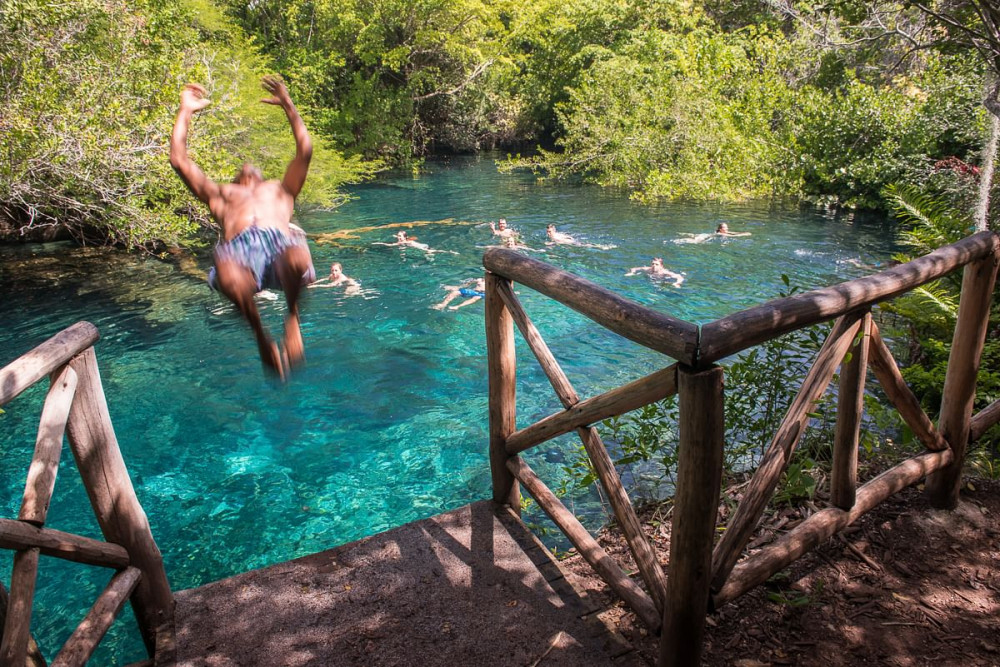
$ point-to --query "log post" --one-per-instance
(48, 447)
(502, 370)
(850, 407)
(14, 646)
(119, 514)
(34, 657)
(696, 506)
(960, 379)
(779, 452)
(899, 394)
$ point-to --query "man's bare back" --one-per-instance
(259, 249)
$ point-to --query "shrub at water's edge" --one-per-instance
(90, 94)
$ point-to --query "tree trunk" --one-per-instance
(992, 104)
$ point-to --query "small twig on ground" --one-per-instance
(860, 554)
(552, 644)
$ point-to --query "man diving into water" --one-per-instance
(259, 248)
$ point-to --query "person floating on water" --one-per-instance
(472, 289)
(656, 270)
(259, 249)
(556, 237)
(723, 230)
(406, 242)
(338, 279)
(502, 230)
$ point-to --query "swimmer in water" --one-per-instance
(338, 279)
(723, 230)
(657, 271)
(502, 230)
(561, 238)
(558, 237)
(472, 289)
(405, 242)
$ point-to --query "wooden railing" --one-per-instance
(75, 406)
(700, 578)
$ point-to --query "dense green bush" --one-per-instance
(90, 91)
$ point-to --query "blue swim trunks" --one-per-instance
(469, 293)
(258, 249)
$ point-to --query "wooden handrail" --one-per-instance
(779, 452)
(654, 387)
(753, 326)
(82, 643)
(31, 367)
(672, 336)
(823, 524)
(79, 549)
(48, 447)
(588, 547)
(986, 418)
(900, 395)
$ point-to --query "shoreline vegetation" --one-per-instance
(724, 101)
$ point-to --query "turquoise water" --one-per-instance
(387, 422)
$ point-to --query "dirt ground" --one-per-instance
(905, 586)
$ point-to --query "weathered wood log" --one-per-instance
(109, 488)
(984, 421)
(755, 325)
(960, 379)
(779, 452)
(696, 502)
(553, 371)
(825, 523)
(502, 370)
(850, 407)
(603, 564)
(654, 387)
(76, 548)
(48, 447)
(84, 640)
(17, 628)
(32, 366)
(669, 335)
(900, 395)
(645, 556)
(35, 657)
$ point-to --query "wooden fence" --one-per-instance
(75, 406)
(703, 575)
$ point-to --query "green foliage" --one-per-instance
(90, 91)
(703, 116)
(929, 220)
(859, 137)
(389, 79)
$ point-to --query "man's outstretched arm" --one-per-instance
(295, 174)
(192, 100)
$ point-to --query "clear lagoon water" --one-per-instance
(387, 422)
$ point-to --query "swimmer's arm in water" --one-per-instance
(636, 270)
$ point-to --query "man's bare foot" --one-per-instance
(294, 348)
(272, 360)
